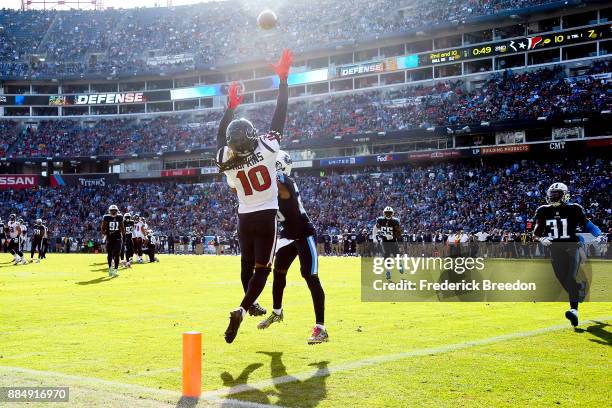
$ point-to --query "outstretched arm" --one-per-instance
(282, 70)
(233, 100)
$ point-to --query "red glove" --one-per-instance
(233, 99)
(284, 63)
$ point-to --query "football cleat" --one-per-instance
(23, 261)
(37, 261)
(273, 318)
(572, 316)
(115, 272)
(257, 310)
(110, 271)
(234, 325)
(318, 336)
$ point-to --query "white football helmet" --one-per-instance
(388, 212)
(284, 162)
(557, 194)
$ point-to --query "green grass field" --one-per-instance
(118, 342)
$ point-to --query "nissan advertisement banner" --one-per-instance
(18, 181)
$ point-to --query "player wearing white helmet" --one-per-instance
(113, 230)
(14, 241)
(37, 240)
(388, 233)
(127, 249)
(555, 228)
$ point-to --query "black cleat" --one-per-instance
(234, 324)
(572, 316)
(257, 310)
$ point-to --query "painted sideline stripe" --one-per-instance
(352, 365)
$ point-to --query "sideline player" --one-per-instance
(127, 249)
(37, 240)
(249, 163)
(139, 233)
(556, 224)
(388, 232)
(23, 237)
(2, 236)
(113, 229)
(14, 240)
(297, 238)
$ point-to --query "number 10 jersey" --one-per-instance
(254, 177)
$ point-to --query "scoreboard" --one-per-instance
(491, 49)
(517, 45)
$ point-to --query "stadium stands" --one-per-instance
(506, 96)
(491, 195)
(122, 38)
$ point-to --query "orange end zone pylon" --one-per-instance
(192, 364)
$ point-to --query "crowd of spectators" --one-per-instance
(491, 195)
(213, 33)
(505, 96)
(120, 136)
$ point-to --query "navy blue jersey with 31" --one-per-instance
(560, 222)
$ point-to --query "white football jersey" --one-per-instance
(12, 227)
(138, 230)
(255, 178)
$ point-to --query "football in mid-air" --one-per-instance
(267, 19)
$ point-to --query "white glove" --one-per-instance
(601, 240)
(389, 237)
(546, 241)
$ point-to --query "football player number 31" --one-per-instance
(554, 228)
(257, 178)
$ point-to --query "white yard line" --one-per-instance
(352, 365)
(138, 391)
